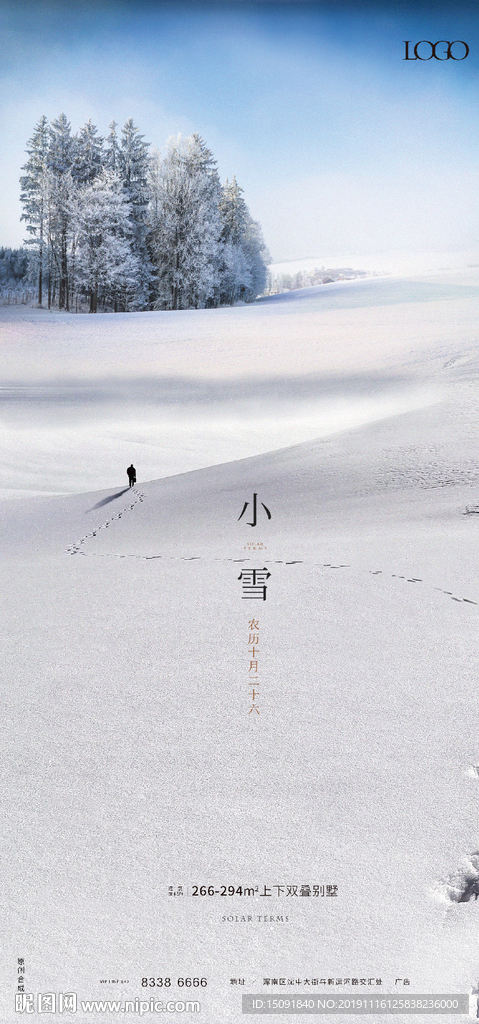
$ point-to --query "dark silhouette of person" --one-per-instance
(131, 475)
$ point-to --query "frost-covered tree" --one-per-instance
(176, 238)
(13, 267)
(234, 212)
(257, 254)
(154, 191)
(186, 243)
(235, 274)
(88, 157)
(105, 265)
(245, 256)
(133, 169)
(61, 157)
(34, 185)
(111, 160)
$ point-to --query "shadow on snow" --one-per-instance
(106, 501)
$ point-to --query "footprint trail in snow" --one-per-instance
(76, 547)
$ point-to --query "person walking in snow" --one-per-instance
(131, 475)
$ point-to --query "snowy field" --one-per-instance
(402, 263)
(184, 390)
(131, 761)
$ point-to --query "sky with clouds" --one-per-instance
(339, 144)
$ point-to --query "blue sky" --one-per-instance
(339, 144)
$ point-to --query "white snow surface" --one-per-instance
(131, 762)
(402, 263)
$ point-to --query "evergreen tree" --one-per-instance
(112, 160)
(133, 169)
(105, 263)
(234, 212)
(256, 252)
(235, 274)
(13, 267)
(154, 190)
(187, 240)
(34, 185)
(88, 157)
(61, 157)
(244, 269)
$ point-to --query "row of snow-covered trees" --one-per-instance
(14, 284)
(13, 267)
(121, 229)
